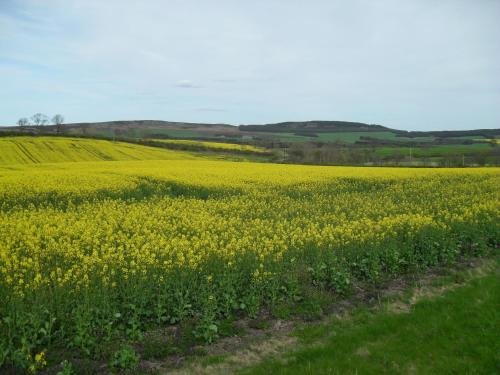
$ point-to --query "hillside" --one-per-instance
(315, 126)
(291, 131)
(306, 142)
(33, 150)
(153, 129)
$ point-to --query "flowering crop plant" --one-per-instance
(94, 251)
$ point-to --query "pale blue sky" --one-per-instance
(408, 64)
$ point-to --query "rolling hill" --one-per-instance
(291, 131)
(310, 142)
(315, 126)
(34, 150)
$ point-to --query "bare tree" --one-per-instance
(22, 122)
(58, 120)
(39, 119)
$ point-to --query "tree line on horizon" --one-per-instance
(39, 119)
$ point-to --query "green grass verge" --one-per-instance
(436, 151)
(456, 333)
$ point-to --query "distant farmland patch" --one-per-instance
(213, 145)
(34, 150)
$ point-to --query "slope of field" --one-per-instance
(97, 253)
(35, 150)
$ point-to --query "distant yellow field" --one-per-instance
(35, 150)
(214, 145)
(493, 140)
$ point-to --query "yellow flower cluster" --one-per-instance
(141, 220)
(69, 228)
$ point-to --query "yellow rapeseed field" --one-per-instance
(92, 251)
(33, 150)
(213, 145)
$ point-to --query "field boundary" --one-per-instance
(399, 295)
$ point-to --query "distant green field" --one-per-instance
(143, 133)
(435, 151)
(355, 136)
(347, 137)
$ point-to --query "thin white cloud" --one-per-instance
(210, 109)
(186, 84)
